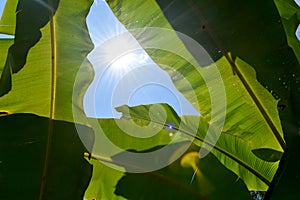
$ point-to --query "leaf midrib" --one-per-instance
(52, 99)
(235, 68)
(223, 151)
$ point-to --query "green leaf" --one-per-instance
(49, 54)
(251, 30)
(26, 36)
(50, 151)
(187, 178)
(290, 16)
(103, 182)
(8, 19)
(244, 95)
(23, 142)
(232, 151)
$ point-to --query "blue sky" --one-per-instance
(2, 3)
(126, 75)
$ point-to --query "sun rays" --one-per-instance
(124, 73)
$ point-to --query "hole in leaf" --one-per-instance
(281, 106)
(298, 32)
(3, 113)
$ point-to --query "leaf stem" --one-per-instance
(241, 77)
(52, 100)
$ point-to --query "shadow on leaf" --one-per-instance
(23, 140)
(187, 178)
(31, 17)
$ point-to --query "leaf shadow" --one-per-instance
(178, 182)
(31, 16)
(23, 141)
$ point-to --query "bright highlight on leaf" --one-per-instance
(190, 159)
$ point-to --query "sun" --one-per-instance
(124, 62)
(129, 61)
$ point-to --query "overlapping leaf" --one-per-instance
(244, 120)
(22, 154)
(51, 64)
(37, 152)
(290, 16)
(175, 181)
(250, 124)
